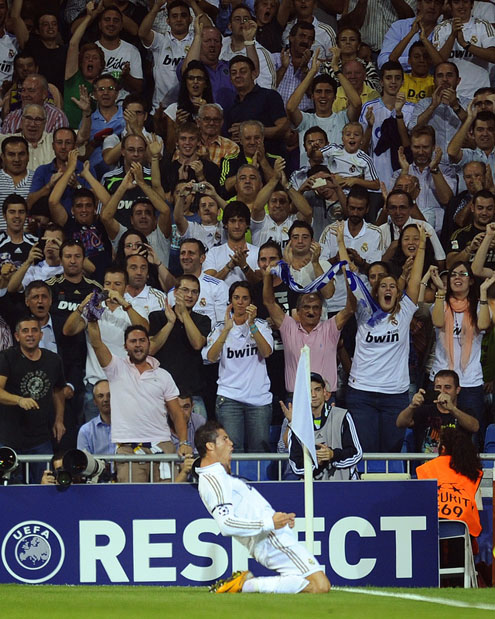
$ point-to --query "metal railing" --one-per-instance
(259, 458)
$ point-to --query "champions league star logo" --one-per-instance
(33, 552)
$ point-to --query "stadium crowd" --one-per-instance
(160, 158)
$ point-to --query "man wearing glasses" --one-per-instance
(177, 336)
(213, 145)
(34, 90)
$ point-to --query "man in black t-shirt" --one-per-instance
(427, 419)
(31, 394)
(177, 336)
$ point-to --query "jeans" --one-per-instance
(472, 400)
(36, 468)
(374, 416)
(245, 424)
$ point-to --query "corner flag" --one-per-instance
(302, 417)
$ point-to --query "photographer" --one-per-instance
(427, 416)
(49, 477)
(210, 231)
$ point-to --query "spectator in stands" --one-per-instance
(143, 297)
(36, 419)
(282, 200)
(242, 42)
(255, 102)
(481, 127)
(213, 298)
(466, 241)
(167, 49)
(270, 24)
(323, 90)
(429, 417)
(210, 230)
(84, 224)
(236, 259)
(400, 209)
(471, 43)
(34, 91)
(321, 336)
(419, 83)
(24, 65)
(9, 47)
(354, 71)
(241, 343)
(206, 47)
(374, 18)
(43, 260)
(94, 435)
(337, 444)
(131, 242)
(45, 176)
(15, 244)
(135, 116)
(444, 110)
(384, 121)
(476, 176)
(314, 140)
(83, 65)
(143, 219)
(194, 91)
(348, 42)
(107, 118)
(178, 334)
(404, 32)
(129, 393)
(214, 146)
(292, 63)
(252, 151)
(121, 58)
(460, 316)
(324, 34)
(193, 420)
(117, 314)
(14, 175)
(375, 395)
(186, 164)
(437, 180)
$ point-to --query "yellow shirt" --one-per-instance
(417, 88)
(341, 102)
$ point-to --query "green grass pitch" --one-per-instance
(74, 602)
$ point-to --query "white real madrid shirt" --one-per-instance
(263, 231)
(217, 258)
(474, 71)
(368, 244)
(213, 298)
(358, 164)
(380, 362)
(242, 374)
(239, 510)
(167, 53)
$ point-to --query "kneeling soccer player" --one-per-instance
(241, 512)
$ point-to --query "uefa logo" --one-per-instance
(33, 552)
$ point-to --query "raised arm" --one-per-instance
(179, 218)
(277, 314)
(57, 211)
(350, 307)
(478, 265)
(484, 319)
(145, 31)
(102, 352)
(454, 149)
(109, 209)
(72, 58)
(18, 25)
(292, 107)
(354, 100)
(417, 267)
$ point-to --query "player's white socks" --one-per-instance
(275, 584)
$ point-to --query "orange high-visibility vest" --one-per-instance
(456, 493)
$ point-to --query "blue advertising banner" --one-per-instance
(366, 533)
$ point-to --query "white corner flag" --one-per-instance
(302, 417)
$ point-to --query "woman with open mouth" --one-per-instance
(460, 315)
(378, 387)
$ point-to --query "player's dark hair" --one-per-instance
(391, 65)
(71, 131)
(35, 284)
(315, 129)
(120, 257)
(301, 25)
(207, 433)
(359, 193)
(448, 374)
(322, 78)
(188, 277)
(116, 268)
(464, 458)
(243, 59)
(399, 192)
(72, 243)
(484, 116)
(453, 65)
(14, 139)
(25, 319)
(197, 242)
(274, 245)
(236, 208)
(83, 192)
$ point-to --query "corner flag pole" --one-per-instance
(308, 472)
